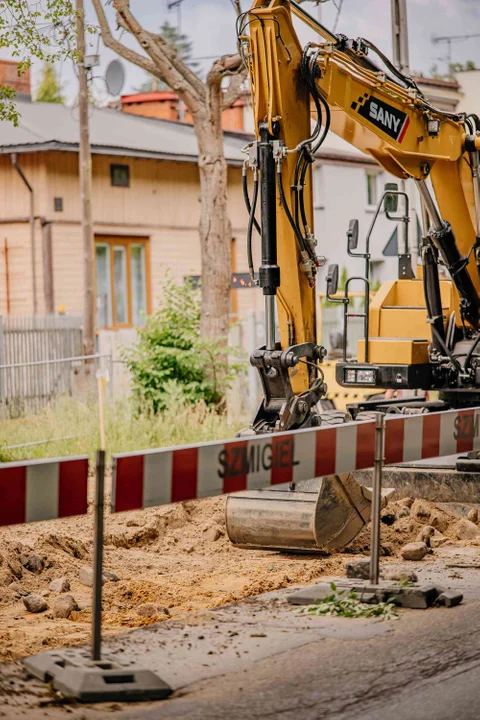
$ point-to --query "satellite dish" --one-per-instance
(114, 77)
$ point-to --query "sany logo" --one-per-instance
(384, 117)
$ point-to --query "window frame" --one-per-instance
(113, 166)
(113, 241)
(374, 176)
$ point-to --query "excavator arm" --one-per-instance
(355, 92)
(420, 332)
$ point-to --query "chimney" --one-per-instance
(161, 104)
(9, 76)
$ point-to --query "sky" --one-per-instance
(211, 26)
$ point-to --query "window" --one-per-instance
(121, 281)
(372, 192)
(120, 175)
(58, 204)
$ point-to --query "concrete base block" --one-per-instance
(416, 597)
(76, 676)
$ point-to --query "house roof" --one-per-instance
(50, 126)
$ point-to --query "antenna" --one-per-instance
(448, 39)
(176, 4)
(114, 77)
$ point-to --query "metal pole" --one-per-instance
(401, 58)
(270, 322)
(377, 499)
(85, 171)
(98, 558)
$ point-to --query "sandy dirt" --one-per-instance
(166, 556)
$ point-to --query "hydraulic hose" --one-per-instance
(251, 224)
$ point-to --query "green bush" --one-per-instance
(171, 364)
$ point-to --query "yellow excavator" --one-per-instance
(421, 331)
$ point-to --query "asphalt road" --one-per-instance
(424, 666)
(427, 667)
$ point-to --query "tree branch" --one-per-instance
(172, 69)
(117, 46)
(234, 90)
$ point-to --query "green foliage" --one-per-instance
(71, 427)
(184, 48)
(347, 604)
(171, 363)
(49, 89)
(35, 31)
(8, 110)
(453, 68)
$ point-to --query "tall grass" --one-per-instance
(126, 429)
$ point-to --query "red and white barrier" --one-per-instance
(418, 437)
(159, 477)
(36, 490)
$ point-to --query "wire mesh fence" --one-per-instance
(27, 388)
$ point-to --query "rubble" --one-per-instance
(359, 568)
(60, 585)
(466, 530)
(414, 551)
(35, 603)
(34, 564)
(63, 606)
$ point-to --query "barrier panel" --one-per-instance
(158, 477)
(36, 490)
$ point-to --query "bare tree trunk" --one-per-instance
(85, 171)
(215, 227)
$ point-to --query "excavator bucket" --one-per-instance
(322, 515)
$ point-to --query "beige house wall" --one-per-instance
(162, 205)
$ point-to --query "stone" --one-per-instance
(466, 530)
(406, 501)
(386, 549)
(213, 533)
(34, 563)
(15, 566)
(403, 512)
(388, 518)
(110, 576)
(439, 520)
(85, 576)
(60, 585)
(35, 603)
(425, 535)
(358, 568)
(414, 551)
(449, 598)
(63, 606)
(399, 575)
(148, 610)
(16, 587)
(473, 515)
(45, 593)
(420, 509)
(437, 541)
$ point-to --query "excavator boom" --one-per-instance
(421, 330)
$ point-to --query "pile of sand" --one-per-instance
(177, 556)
